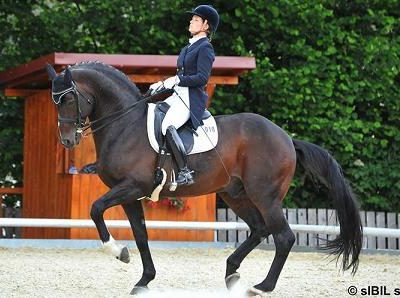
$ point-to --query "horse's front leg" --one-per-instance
(117, 195)
(134, 212)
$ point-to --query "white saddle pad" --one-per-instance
(206, 139)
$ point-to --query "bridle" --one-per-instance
(81, 126)
(79, 121)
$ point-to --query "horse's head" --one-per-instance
(73, 106)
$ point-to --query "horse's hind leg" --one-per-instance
(284, 239)
(245, 209)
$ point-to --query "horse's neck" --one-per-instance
(116, 128)
(110, 102)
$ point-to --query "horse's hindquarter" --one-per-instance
(256, 149)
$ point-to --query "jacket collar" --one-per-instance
(196, 43)
(194, 39)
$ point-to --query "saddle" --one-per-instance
(203, 139)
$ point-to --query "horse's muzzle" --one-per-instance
(67, 143)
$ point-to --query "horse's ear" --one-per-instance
(67, 77)
(51, 71)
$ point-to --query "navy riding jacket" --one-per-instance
(194, 69)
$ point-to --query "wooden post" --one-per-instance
(380, 222)
(371, 223)
(292, 219)
(391, 224)
(222, 236)
(210, 91)
(302, 219)
(312, 220)
(322, 220)
(363, 221)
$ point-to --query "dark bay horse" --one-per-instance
(251, 169)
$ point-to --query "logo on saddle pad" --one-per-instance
(203, 139)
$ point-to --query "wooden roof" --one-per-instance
(140, 68)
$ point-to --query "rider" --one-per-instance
(189, 98)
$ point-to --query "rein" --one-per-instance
(118, 114)
(82, 126)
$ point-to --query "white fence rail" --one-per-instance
(187, 225)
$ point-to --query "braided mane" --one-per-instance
(115, 74)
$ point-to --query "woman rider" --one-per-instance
(189, 99)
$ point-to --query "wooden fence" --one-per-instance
(319, 217)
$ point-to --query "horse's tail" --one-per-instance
(321, 165)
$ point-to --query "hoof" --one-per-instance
(232, 280)
(124, 256)
(256, 293)
(139, 290)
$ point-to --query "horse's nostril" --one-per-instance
(66, 142)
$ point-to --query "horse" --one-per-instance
(251, 169)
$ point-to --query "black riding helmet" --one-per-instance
(207, 12)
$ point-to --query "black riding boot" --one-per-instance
(185, 176)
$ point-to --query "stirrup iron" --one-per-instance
(173, 185)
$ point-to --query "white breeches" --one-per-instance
(179, 111)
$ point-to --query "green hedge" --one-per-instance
(327, 71)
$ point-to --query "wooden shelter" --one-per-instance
(49, 190)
